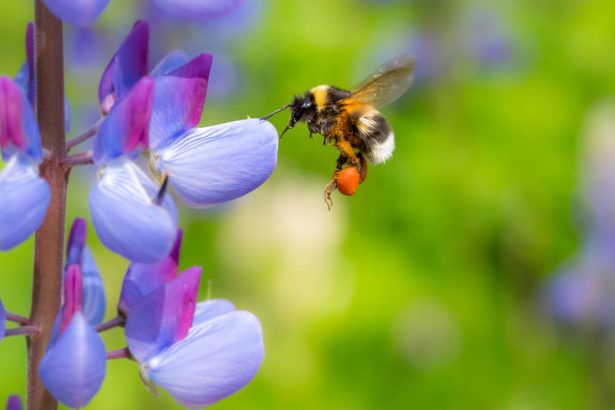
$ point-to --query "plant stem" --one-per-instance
(123, 353)
(49, 244)
(73, 142)
(110, 324)
(82, 158)
(21, 331)
(13, 317)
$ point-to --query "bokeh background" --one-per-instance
(474, 270)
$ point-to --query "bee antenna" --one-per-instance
(266, 117)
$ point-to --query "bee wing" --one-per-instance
(385, 85)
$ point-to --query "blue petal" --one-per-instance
(210, 309)
(220, 163)
(169, 62)
(198, 10)
(215, 360)
(76, 241)
(178, 100)
(127, 66)
(125, 217)
(13, 403)
(77, 12)
(24, 198)
(93, 289)
(2, 320)
(143, 278)
(164, 316)
(73, 369)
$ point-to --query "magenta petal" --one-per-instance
(74, 367)
(13, 403)
(198, 10)
(126, 127)
(18, 127)
(2, 320)
(77, 12)
(143, 278)
(73, 295)
(128, 64)
(164, 316)
(178, 100)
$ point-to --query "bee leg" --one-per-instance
(363, 167)
(329, 189)
(332, 185)
(346, 149)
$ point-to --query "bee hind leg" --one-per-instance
(332, 185)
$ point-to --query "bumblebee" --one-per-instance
(350, 119)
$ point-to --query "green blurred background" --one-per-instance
(423, 290)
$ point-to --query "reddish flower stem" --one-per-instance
(110, 324)
(15, 318)
(49, 244)
(82, 158)
(73, 142)
(22, 331)
(119, 354)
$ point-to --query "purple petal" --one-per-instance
(76, 242)
(77, 12)
(198, 10)
(73, 295)
(18, 127)
(13, 403)
(210, 309)
(164, 316)
(142, 278)
(2, 320)
(178, 100)
(125, 217)
(218, 358)
(24, 198)
(93, 289)
(73, 369)
(125, 129)
(169, 62)
(127, 66)
(220, 163)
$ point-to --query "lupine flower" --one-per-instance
(582, 293)
(205, 166)
(141, 279)
(200, 353)
(2, 320)
(85, 12)
(13, 403)
(24, 196)
(74, 365)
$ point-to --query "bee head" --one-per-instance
(302, 109)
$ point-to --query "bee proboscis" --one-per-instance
(350, 119)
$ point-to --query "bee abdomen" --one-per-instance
(377, 135)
